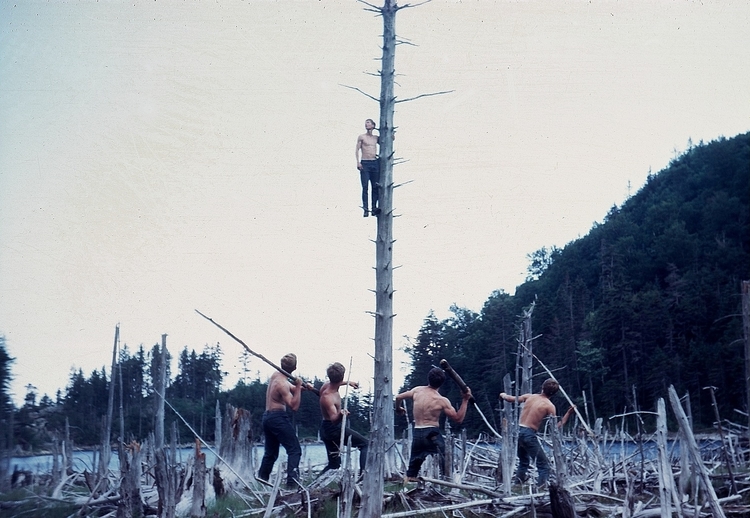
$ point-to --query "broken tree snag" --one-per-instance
(561, 502)
(198, 508)
(131, 503)
(168, 476)
(695, 454)
(237, 441)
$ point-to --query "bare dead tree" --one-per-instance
(381, 458)
(107, 434)
(160, 387)
(746, 333)
(381, 431)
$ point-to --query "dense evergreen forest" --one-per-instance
(648, 298)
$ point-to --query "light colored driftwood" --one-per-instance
(667, 492)
(440, 509)
(465, 487)
(694, 453)
(274, 491)
(131, 502)
(507, 458)
(724, 452)
(347, 482)
(198, 508)
(561, 473)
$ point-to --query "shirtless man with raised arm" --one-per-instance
(277, 424)
(535, 408)
(368, 165)
(428, 405)
(333, 415)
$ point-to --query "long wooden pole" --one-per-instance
(269, 362)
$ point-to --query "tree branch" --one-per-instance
(424, 95)
(360, 91)
(372, 7)
(413, 5)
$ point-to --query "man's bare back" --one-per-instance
(282, 394)
(536, 407)
(429, 404)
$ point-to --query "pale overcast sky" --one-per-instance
(162, 157)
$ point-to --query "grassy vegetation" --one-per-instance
(21, 503)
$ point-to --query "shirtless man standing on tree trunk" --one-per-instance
(535, 408)
(369, 166)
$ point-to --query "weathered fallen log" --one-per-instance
(465, 487)
(442, 508)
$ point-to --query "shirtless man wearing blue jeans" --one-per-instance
(535, 408)
(368, 164)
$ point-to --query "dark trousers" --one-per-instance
(528, 449)
(370, 173)
(330, 432)
(426, 441)
(278, 430)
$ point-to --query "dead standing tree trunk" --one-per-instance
(381, 458)
(526, 342)
(160, 387)
(746, 332)
(107, 434)
(381, 433)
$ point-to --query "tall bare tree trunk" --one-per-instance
(527, 351)
(381, 433)
(107, 435)
(746, 329)
(160, 384)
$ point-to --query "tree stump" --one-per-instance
(237, 441)
(561, 502)
(131, 503)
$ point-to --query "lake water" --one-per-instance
(314, 455)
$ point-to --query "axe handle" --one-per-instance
(454, 375)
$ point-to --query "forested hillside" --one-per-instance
(649, 298)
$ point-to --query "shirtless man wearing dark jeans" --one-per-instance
(428, 405)
(369, 166)
(333, 416)
(536, 407)
(277, 425)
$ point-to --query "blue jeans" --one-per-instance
(529, 448)
(426, 442)
(370, 173)
(330, 432)
(278, 430)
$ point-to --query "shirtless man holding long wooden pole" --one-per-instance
(536, 407)
(333, 419)
(277, 424)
